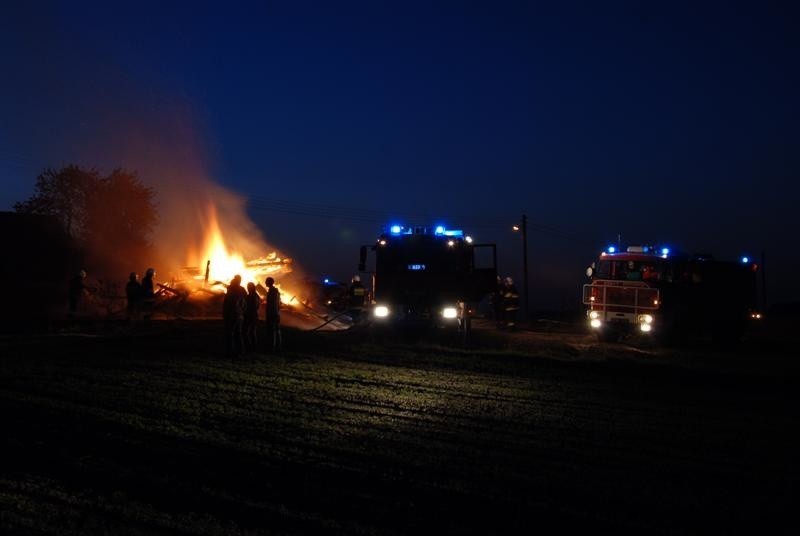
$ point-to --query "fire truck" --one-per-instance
(670, 295)
(428, 276)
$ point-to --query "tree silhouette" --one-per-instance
(62, 194)
(118, 211)
(112, 218)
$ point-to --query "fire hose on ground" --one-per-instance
(313, 312)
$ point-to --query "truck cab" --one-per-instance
(658, 292)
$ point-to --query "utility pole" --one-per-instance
(525, 265)
(763, 281)
(522, 228)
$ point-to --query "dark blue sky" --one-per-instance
(665, 123)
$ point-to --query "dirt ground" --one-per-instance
(115, 430)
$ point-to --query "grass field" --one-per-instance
(155, 432)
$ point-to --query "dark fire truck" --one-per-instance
(428, 276)
(669, 294)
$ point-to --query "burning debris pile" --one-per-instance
(215, 263)
(206, 240)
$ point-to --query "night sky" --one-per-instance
(666, 124)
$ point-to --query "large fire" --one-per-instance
(206, 238)
(218, 260)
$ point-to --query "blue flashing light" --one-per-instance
(326, 280)
(454, 232)
(395, 229)
(440, 229)
(612, 249)
(745, 259)
(665, 251)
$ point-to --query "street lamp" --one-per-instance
(523, 226)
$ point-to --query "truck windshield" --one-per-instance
(630, 270)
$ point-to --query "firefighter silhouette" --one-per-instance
(133, 293)
(497, 303)
(148, 294)
(77, 288)
(510, 303)
(356, 296)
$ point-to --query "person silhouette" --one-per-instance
(233, 309)
(250, 327)
(273, 315)
(133, 293)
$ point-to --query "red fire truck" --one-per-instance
(669, 294)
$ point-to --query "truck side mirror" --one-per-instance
(362, 261)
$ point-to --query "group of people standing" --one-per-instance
(240, 314)
(141, 295)
(239, 308)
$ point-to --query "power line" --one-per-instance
(357, 214)
(364, 215)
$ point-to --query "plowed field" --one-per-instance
(156, 432)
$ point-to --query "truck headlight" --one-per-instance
(645, 327)
(645, 319)
(594, 314)
(449, 312)
(595, 323)
(381, 311)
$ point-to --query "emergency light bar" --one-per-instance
(439, 230)
(664, 252)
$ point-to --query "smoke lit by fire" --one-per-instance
(199, 219)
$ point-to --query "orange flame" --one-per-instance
(223, 260)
